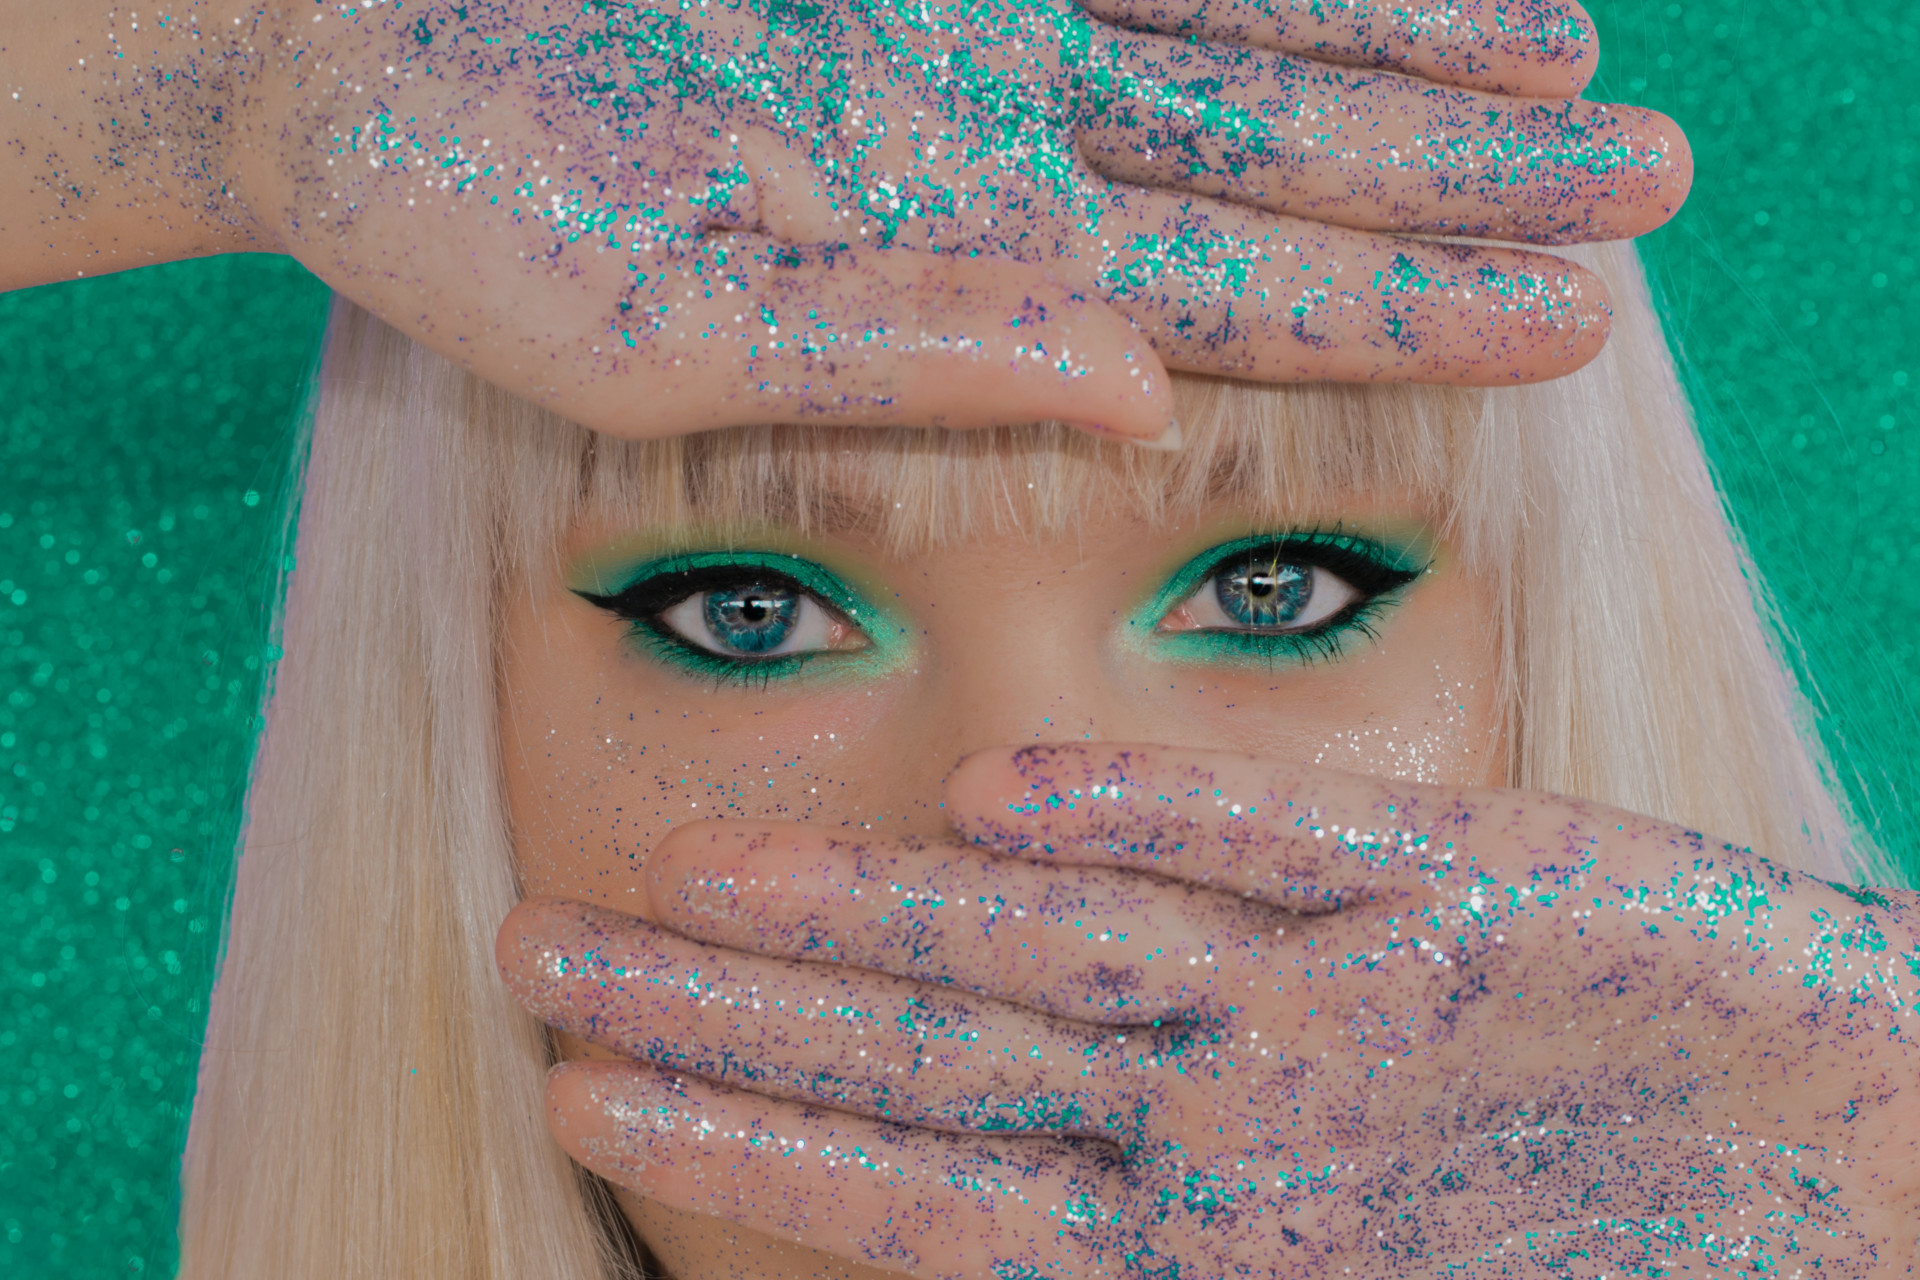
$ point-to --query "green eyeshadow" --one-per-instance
(1379, 569)
(612, 583)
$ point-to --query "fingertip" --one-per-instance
(684, 838)
(1143, 412)
(527, 931)
(1575, 322)
(1658, 181)
(685, 849)
(982, 783)
(1002, 342)
(1009, 770)
(1156, 390)
(694, 872)
(1556, 50)
(1168, 441)
(1553, 318)
(570, 1093)
(568, 1108)
(1552, 50)
(1580, 44)
(600, 1113)
(1676, 170)
(1562, 78)
(1580, 74)
(1005, 797)
(1588, 322)
(1002, 798)
(1507, 317)
(584, 1084)
(1136, 406)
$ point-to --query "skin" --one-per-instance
(1293, 1020)
(732, 213)
(608, 752)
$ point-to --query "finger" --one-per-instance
(1291, 835)
(1382, 151)
(1476, 862)
(1226, 290)
(1091, 944)
(739, 329)
(844, 1038)
(906, 1200)
(1541, 48)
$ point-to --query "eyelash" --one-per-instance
(1367, 566)
(644, 602)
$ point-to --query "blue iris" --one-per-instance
(753, 618)
(1263, 592)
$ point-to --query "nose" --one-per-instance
(1016, 669)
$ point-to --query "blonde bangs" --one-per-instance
(1268, 452)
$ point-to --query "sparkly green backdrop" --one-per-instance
(143, 432)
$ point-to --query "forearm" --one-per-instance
(115, 128)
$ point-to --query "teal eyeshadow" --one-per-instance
(1268, 649)
(887, 636)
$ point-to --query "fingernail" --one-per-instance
(1168, 441)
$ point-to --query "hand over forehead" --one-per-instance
(869, 211)
(1303, 1016)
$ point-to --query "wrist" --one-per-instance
(117, 123)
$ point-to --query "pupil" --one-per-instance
(1264, 593)
(752, 618)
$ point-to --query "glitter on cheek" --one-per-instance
(609, 753)
(1441, 749)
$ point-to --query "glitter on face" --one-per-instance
(1433, 752)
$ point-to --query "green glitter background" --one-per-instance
(144, 429)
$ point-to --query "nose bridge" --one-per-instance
(1007, 659)
(1018, 687)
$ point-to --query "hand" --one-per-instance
(1178, 1012)
(658, 218)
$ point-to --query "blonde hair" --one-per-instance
(370, 1097)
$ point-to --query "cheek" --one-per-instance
(1432, 726)
(1427, 698)
(1419, 703)
(1447, 735)
(603, 758)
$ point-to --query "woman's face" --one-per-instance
(821, 679)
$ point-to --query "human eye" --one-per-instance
(746, 616)
(1298, 596)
